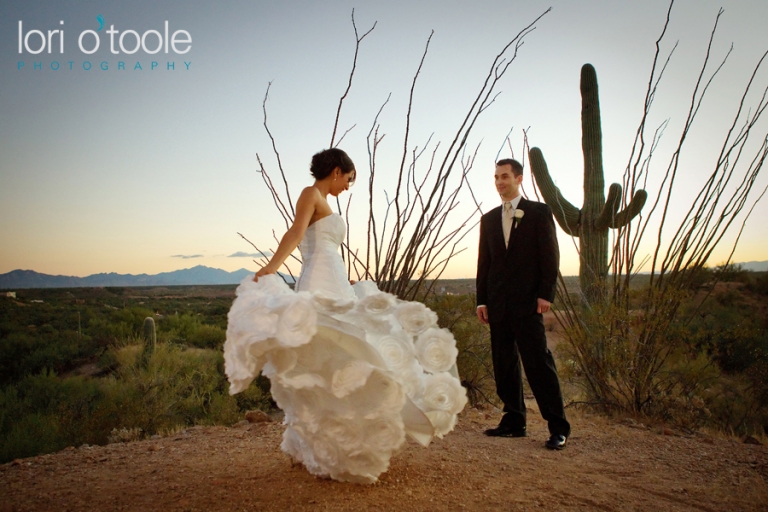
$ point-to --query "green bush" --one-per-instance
(256, 396)
(32, 350)
(175, 388)
(735, 408)
(182, 384)
(732, 273)
(44, 413)
(759, 283)
(703, 365)
(207, 336)
(119, 323)
(31, 435)
(189, 329)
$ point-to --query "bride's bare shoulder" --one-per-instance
(311, 193)
(310, 196)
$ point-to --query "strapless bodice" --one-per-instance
(326, 234)
(322, 268)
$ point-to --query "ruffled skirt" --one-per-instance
(354, 376)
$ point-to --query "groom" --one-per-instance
(516, 279)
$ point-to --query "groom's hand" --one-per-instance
(543, 306)
(482, 314)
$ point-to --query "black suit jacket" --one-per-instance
(510, 279)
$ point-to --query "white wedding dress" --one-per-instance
(354, 369)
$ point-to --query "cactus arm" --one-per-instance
(591, 145)
(611, 207)
(565, 213)
(610, 217)
(631, 211)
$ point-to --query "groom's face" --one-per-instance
(507, 184)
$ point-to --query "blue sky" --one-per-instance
(154, 170)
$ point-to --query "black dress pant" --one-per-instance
(523, 338)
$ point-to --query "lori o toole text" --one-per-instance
(126, 42)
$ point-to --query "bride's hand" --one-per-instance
(263, 272)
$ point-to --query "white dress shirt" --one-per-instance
(507, 216)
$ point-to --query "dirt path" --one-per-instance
(607, 466)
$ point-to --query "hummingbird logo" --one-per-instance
(100, 19)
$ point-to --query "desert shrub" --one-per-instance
(683, 388)
(705, 364)
(677, 390)
(30, 435)
(732, 273)
(734, 407)
(728, 297)
(759, 283)
(189, 329)
(624, 361)
(30, 351)
(119, 323)
(173, 388)
(44, 413)
(737, 340)
(256, 396)
(207, 336)
(737, 348)
(729, 330)
(739, 402)
(723, 273)
(699, 277)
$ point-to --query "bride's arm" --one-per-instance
(305, 208)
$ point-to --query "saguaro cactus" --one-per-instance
(150, 339)
(597, 215)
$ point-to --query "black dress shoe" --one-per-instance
(556, 442)
(502, 431)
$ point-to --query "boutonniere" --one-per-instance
(518, 216)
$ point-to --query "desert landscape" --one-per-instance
(609, 464)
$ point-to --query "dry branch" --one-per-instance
(417, 237)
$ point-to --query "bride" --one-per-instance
(354, 369)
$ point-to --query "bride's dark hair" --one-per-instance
(324, 162)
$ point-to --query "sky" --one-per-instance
(148, 168)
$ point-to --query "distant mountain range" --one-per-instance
(19, 279)
(755, 266)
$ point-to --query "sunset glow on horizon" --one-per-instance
(130, 131)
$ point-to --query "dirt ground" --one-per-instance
(607, 465)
